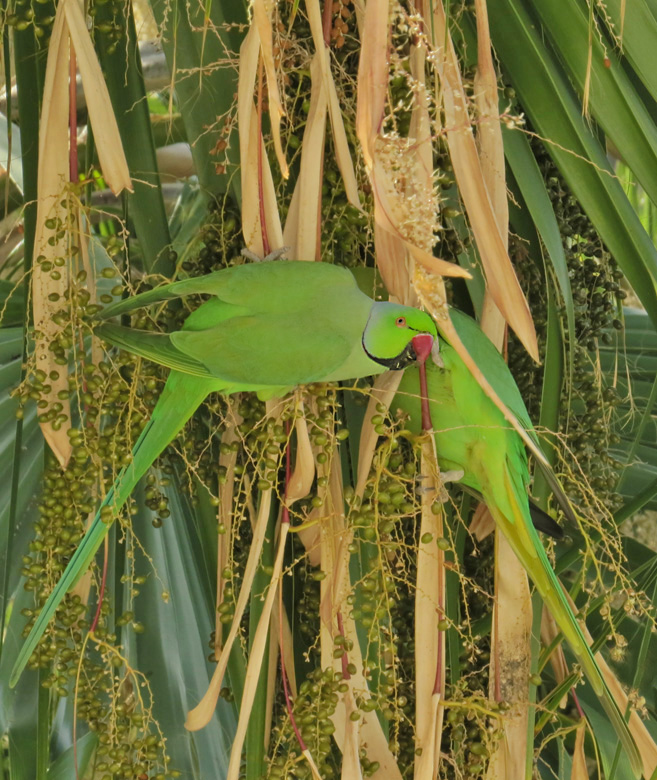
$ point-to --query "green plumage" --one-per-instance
(268, 327)
(472, 435)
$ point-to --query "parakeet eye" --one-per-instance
(400, 322)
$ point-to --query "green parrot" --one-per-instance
(473, 437)
(268, 327)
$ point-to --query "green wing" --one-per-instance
(275, 324)
(268, 349)
(152, 346)
(245, 353)
(280, 285)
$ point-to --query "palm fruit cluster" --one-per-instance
(110, 402)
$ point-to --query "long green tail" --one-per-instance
(180, 398)
(527, 545)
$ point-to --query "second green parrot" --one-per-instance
(267, 327)
(473, 436)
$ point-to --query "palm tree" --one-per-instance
(411, 142)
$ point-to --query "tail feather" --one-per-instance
(527, 545)
(557, 491)
(544, 523)
(180, 398)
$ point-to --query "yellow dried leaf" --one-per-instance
(492, 322)
(579, 770)
(482, 523)
(383, 391)
(500, 275)
(391, 259)
(53, 176)
(425, 763)
(586, 92)
(302, 477)
(341, 585)
(262, 23)
(421, 184)
(489, 130)
(510, 662)
(372, 77)
(107, 138)
(340, 143)
(429, 610)
(359, 8)
(311, 763)
(302, 229)
(200, 716)
(404, 203)
(310, 537)
(288, 645)
(258, 194)
(491, 154)
(391, 254)
(256, 656)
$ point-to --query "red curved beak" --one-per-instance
(422, 344)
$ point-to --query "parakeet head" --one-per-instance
(396, 336)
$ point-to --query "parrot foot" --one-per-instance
(448, 476)
(445, 477)
(456, 475)
(435, 354)
(275, 255)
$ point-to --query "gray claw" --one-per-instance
(435, 354)
(456, 475)
(275, 255)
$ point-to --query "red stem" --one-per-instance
(427, 425)
(326, 22)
